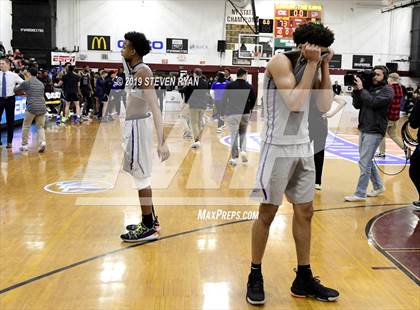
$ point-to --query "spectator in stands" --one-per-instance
(2, 50)
(227, 75)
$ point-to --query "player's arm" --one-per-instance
(324, 93)
(341, 103)
(22, 87)
(280, 68)
(145, 74)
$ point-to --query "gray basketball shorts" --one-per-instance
(138, 150)
(285, 169)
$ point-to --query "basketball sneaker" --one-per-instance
(142, 233)
(58, 120)
(244, 157)
(376, 192)
(312, 287)
(255, 289)
(42, 147)
(156, 225)
(416, 205)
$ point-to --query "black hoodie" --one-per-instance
(373, 105)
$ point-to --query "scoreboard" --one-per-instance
(288, 16)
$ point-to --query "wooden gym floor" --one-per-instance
(61, 250)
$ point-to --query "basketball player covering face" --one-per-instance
(142, 111)
(286, 166)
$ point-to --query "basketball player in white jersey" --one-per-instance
(142, 111)
(287, 164)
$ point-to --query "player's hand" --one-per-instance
(163, 152)
(326, 115)
(358, 84)
(327, 58)
(311, 52)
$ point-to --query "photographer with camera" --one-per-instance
(373, 105)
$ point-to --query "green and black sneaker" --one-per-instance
(156, 225)
(141, 233)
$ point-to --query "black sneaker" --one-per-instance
(416, 205)
(312, 287)
(255, 289)
(142, 233)
(156, 225)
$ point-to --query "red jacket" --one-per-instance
(394, 107)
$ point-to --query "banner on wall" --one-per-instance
(336, 62)
(157, 45)
(233, 17)
(177, 46)
(98, 43)
(235, 24)
(58, 58)
(362, 61)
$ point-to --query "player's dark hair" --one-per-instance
(139, 42)
(241, 72)
(313, 33)
(33, 71)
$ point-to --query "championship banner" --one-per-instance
(58, 58)
(235, 24)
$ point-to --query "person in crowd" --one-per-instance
(414, 171)
(238, 100)
(217, 93)
(373, 104)
(8, 81)
(393, 115)
(35, 109)
(337, 88)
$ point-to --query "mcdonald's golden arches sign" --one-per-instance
(99, 43)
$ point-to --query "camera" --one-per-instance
(365, 75)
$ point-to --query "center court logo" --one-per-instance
(78, 187)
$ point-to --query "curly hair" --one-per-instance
(313, 33)
(139, 42)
